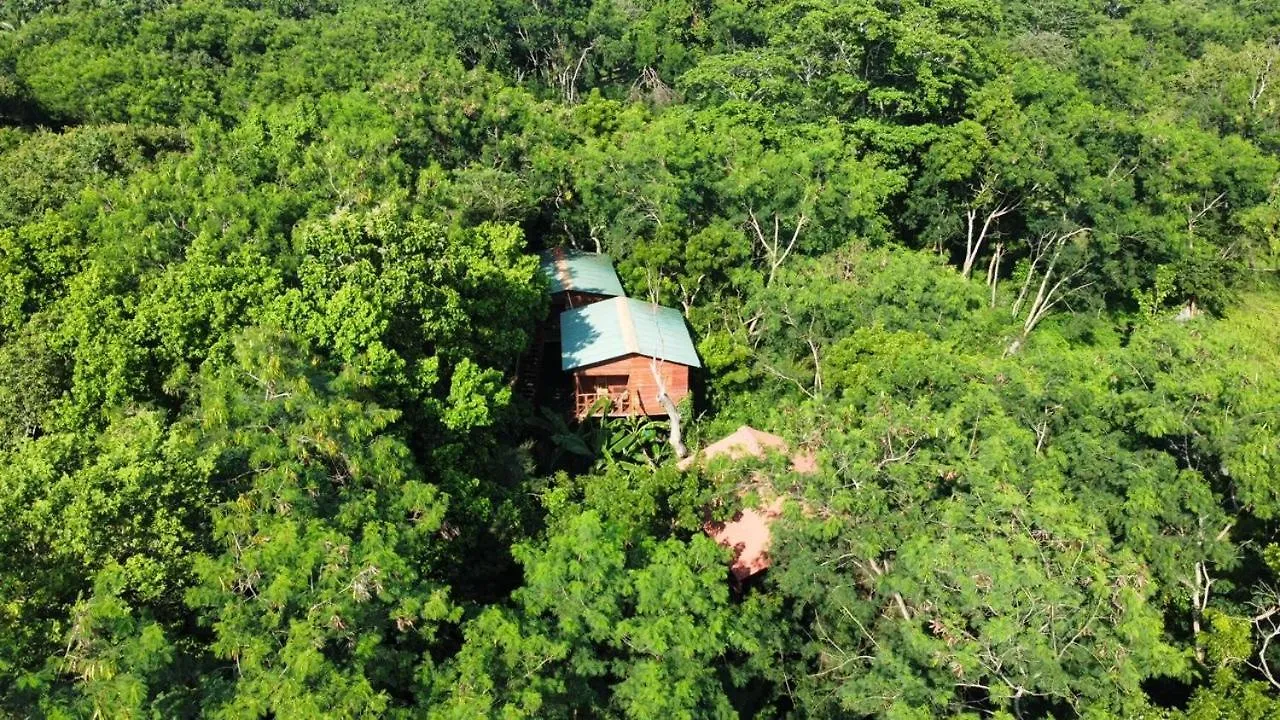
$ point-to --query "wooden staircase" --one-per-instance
(529, 366)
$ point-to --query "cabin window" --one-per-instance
(615, 383)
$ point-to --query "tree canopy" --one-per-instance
(1006, 269)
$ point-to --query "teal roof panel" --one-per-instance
(622, 326)
(580, 271)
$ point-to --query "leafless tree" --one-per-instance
(673, 413)
(568, 76)
(1055, 285)
(1193, 215)
(1200, 603)
(981, 219)
(1262, 77)
(1267, 624)
(776, 248)
(1200, 586)
(975, 235)
(993, 271)
(651, 86)
(674, 419)
(689, 293)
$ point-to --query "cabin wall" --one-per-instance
(570, 299)
(633, 387)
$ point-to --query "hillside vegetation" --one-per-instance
(1006, 267)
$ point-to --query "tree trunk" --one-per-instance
(673, 413)
(677, 434)
(974, 238)
(993, 271)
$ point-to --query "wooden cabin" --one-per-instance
(624, 350)
(576, 278)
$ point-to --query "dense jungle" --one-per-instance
(1006, 269)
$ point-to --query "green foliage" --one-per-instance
(268, 268)
(118, 659)
(126, 502)
(403, 300)
(1231, 697)
(611, 616)
(30, 379)
(321, 587)
(949, 518)
(1152, 302)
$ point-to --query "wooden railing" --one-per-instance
(625, 402)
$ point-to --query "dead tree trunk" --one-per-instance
(673, 413)
(1199, 604)
(1262, 78)
(975, 237)
(993, 271)
(568, 77)
(1054, 286)
(775, 251)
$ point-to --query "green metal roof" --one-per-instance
(621, 326)
(580, 271)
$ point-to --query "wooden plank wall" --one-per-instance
(641, 386)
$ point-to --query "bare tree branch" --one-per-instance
(1052, 290)
(775, 252)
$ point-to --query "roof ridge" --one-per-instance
(627, 325)
(562, 267)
